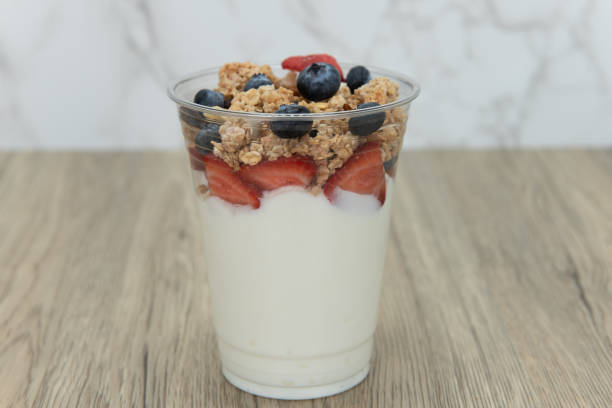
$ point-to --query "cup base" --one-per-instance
(296, 393)
(295, 377)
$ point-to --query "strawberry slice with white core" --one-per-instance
(224, 183)
(284, 171)
(363, 173)
(299, 62)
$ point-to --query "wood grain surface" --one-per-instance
(497, 289)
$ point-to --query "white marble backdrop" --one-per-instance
(91, 74)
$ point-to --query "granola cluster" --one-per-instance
(330, 143)
(380, 90)
(263, 99)
(341, 101)
(234, 75)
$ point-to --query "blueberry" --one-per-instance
(364, 125)
(209, 133)
(208, 97)
(318, 81)
(357, 76)
(191, 117)
(292, 128)
(314, 133)
(389, 164)
(256, 81)
(228, 102)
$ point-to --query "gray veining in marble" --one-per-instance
(77, 74)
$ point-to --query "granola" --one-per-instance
(329, 144)
(381, 90)
(341, 101)
(263, 99)
(233, 76)
(289, 81)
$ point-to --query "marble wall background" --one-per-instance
(91, 74)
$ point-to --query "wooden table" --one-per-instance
(497, 291)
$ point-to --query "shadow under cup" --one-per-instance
(294, 273)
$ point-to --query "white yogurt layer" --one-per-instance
(295, 284)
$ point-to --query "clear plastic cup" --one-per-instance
(294, 273)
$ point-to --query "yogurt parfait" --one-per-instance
(294, 167)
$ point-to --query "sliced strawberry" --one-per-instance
(224, 183)
(195, 158)
(363, 173)
(284, 171)
(299, 62)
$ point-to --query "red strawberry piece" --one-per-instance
(224, 183)
(195, 158)
(363, 173)
(299, 62)
(284, 171)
